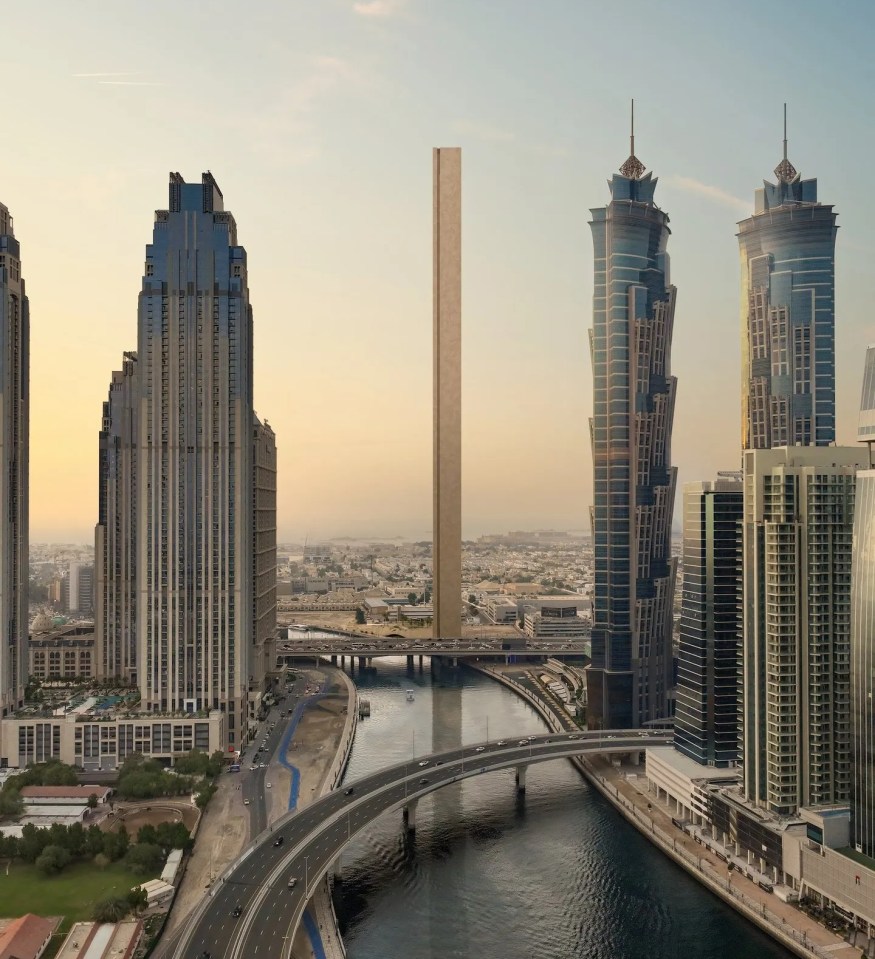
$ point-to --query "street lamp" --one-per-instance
(306, 878)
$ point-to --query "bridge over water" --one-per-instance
(313, 839)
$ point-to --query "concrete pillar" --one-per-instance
(333, 659)
(337, 868)
(410, 662)
(420, 662)
(447, 359)
(521, 778)
(363, 661)
(635, 758)
(410, 814)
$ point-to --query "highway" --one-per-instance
(303, 845)
(395, 646)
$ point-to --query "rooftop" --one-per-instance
(25, 937)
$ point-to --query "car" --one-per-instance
(610, 737)
(292, 882)
(348, 791)
(479, 749)
(262, 765)
(278, 841)
(253, 766)
(424, 762)
(423, 782)
(238, 910)
(573, 736)
(267, 786)
(439, 762)
(548, 740)
(523, 742)
(245, 802)
(531, 738)
(501, 742)
(205, 955)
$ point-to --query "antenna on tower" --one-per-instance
(785, 131)
(633, 167)
(632, 134)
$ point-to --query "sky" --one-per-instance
(318, 118)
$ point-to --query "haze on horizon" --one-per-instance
(318, 121)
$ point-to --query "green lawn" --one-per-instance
(72, 894)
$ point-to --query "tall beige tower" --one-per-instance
(447, 524)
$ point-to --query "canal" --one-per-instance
(553, 874)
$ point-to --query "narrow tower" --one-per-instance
(447, 349)
(14, 471)
(633, 482)
(787, 253)
(863, 630)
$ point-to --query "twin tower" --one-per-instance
(788, 399)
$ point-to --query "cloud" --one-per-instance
(689, 185)
(130, 83)
(119, 74)
(482, 131)
(378, 8)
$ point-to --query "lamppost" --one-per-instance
(306, 878)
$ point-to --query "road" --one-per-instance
(303, 845)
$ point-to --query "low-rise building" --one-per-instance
(61, 652)
(104, 740)
(102, 940)
(63, 795)
(501, 610)
(554, 617)
(26, 937)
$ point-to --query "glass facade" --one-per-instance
(706, 716)
(14, 469)
(787, 251)
(863, 630)
(634, 482)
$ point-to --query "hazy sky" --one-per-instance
(317, 118)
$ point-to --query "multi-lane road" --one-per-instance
(269, 884)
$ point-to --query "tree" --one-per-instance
(148, 834)
(138, 899)
(411, 599)
(111, 909)
(101, 861)
(426, 596)
(204, 795)
(360, 616)
(171, 835)
(144, 858)
(92, 801)
(52, 860)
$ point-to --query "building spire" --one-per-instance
(633, 168)
(785, 171)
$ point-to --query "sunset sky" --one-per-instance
(317, 118)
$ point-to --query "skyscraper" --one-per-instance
(115, 538)
(634, 482)
(447, 358)
(195, 473)
(706, 715)
(14, 472)
(863, 630)
(264, 553)
(798, 525)
(787, 253)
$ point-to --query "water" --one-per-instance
(556, 874)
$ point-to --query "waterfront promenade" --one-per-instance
(625, 787)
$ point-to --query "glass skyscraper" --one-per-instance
(14, 436)
(863, 631)
(706, 715)
(787, 253)
(634, 482)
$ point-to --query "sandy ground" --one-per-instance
(224, 830)
(150, 812)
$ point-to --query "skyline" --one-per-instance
(323, 141)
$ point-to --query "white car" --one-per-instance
(479, 749)
(245, 802)
(424, 762)
(501, 742)
(267, 786)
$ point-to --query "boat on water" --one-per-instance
(410, 696)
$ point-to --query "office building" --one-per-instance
(263, 555)
(195, 469)
(798, 525)
(863, 630)
(77, 589)
(787, 251)
(14, 430)
(634, 482)
(447, 359)
(706, 713)
(115, 536)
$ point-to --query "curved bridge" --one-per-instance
(312, 839)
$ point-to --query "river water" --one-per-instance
(553, 874)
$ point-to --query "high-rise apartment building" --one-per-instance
(787, 253)
(194, 474)
(634, 482)
(77, 590)
(863, 630)
(115, 538)
(706, 714)
(14, 435)
(798, 525)
(264, 554)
